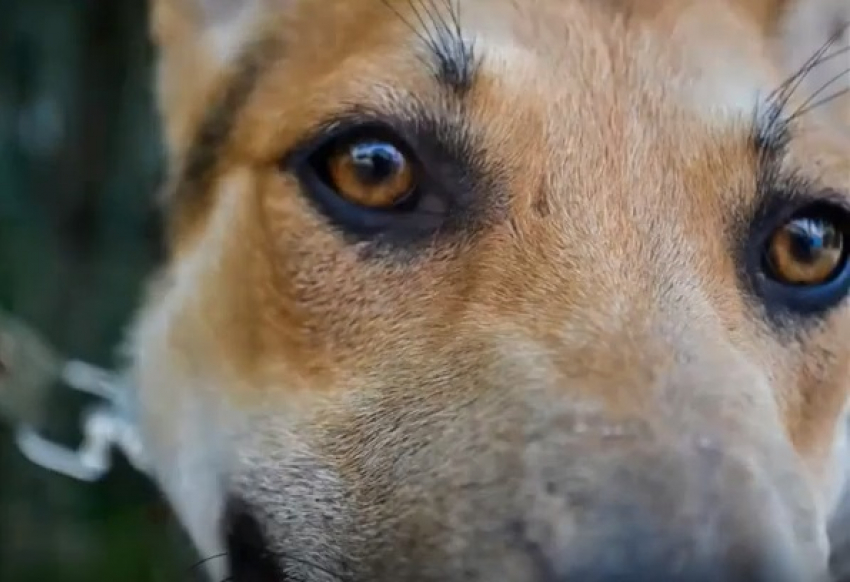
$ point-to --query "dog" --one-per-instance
(502, 290)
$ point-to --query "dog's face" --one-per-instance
(527, 291)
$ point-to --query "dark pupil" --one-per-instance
(376, 162)
(810, 237)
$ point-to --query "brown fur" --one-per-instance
(582, 369)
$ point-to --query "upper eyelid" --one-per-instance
(410, 118)
(404, 120)
(775, 209)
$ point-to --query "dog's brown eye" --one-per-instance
(373, 182)
(370, 173)
(806, 251)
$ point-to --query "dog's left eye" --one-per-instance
(368, 180)
(806, 251)
(805, 260)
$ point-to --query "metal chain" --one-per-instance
(29, 369)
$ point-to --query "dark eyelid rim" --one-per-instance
(461, 187)
(370, 222)
(796, 196)
(413, 127)
(780, 205)
(331, 130)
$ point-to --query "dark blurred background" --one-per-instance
(80, 162)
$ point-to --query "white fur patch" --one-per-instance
(178, 410)
(840, 464)
(229, 28)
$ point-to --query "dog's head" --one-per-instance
(527, 291)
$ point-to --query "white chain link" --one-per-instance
(105, 427)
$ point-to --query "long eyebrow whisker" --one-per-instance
(827, 58)
(407, 22)
(786, 90)
(418, 7)
(454, 27)
(456, 16)
(806, 105)
(440, 23)
(772, 124)
(423, 31)
(437, 24)
(826, 100)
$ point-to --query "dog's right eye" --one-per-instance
(369, 181)
(369, 172)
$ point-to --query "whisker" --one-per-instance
(827, 58)
(820, 57)
(437, 17)
(772, 123)
(822, 102)
(452, 22)
(805, 105)
(453, 8)
(437, 24)
(425, 37)
(786, 90)
(406, 22)
(418, 7)
(200, 563)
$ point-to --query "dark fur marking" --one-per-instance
(542, 205)
(213, 134)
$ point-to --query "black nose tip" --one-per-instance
(248, 554)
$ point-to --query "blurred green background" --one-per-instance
(80, 163)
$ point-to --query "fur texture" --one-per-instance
(579, 379)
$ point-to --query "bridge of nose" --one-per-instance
(665, 446)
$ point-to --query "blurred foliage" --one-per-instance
(80, 162)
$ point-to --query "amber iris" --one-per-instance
(806, 251)
(371, 173)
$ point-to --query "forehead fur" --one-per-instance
(685, 54)
(686, 64)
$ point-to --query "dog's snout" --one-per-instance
(669, 512)
(641, 544)
(638, 552)
(759, 569)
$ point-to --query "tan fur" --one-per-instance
(490, 407)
